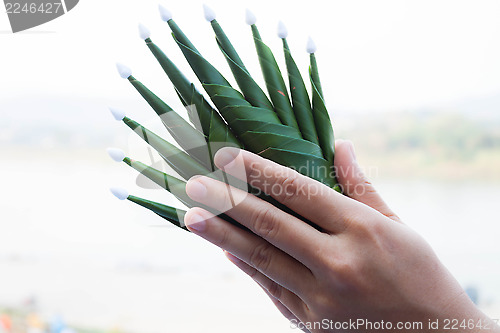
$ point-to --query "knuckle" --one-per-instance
(225, 201)
(275, 290)
(265, 222)
(348, 277)
(252, 171)
(372, 231)
(223, 239)
(260, 257)
(252, 272)
(286, 187)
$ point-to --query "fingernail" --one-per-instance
(196, 190)
(196, 222)
(351, 150)
(225, 156)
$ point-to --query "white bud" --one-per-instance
(117, 114)
(120, 193)
(209, 13)
(124, 71)
(282, 30)
(144, 32)
(311, 46)
(165, 14)
(116, 154)
(250, 17)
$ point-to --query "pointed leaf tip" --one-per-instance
(282, 30)
(144, 32)
(117, 114)
(116, 154)
(124, 71)
(120, 193)
(311, 46)
(165, 14)
(250, 17)
(209, 13)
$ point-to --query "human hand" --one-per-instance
(364, 264)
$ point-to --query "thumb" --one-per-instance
(353, 181)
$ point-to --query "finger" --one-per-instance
(282, 309)
(264, 257)
(354, 182)
(284, 231)
(306, 196)
(285, 311)
(290, 300)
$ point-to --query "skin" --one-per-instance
(361, 262)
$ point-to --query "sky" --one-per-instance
(373, 55)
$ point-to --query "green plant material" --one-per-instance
(250, 89)
(313, 70)
(171, 214)
(180, 35)
(175, 186)
(178, 188)
(189, 138)
(279, 143)
(320, 114)
(295, 132)
(282, 144)
(205, 118)
(170, 183)
(300, 98)
(274, 81)
(181, 162)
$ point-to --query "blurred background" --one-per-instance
(415, 86)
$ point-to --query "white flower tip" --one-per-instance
(282, 30)
(116, 154)
(120, 193)
(209, 13)
(250, 17)
(311, 46)
(124, 71)
(144, 32)
(117, 114)
(165, 14)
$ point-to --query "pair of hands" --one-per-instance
(362, 264)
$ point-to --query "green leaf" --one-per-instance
(170, 183)
(209, 120)
(251, 90)
(181, 162)
(259, 141)
(205, 72)
(323, 124)
(171, 214)
(244, 118)
(189, 138)
(306, 164)
(175, 186)
(274, 81)
(180, 35)
(300, 98)
(226, 45)
(315, 75)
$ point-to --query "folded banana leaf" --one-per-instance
(288, 128)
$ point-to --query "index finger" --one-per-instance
(306, 196)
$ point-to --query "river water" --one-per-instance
(99, 262)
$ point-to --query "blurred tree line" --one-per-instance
(447, 145)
